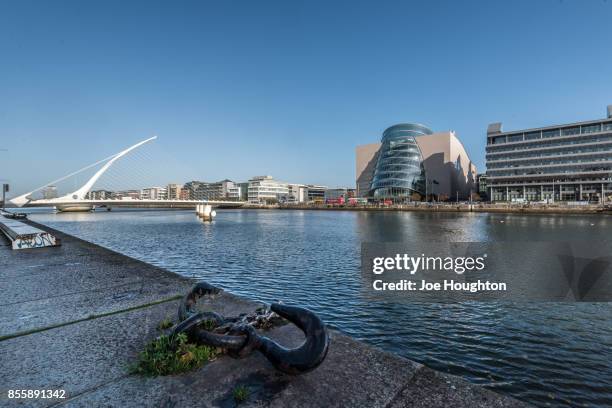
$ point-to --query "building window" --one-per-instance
(570, 131)
(550, 133)
(591, 128)
(607, 126)
(515, 138)
(533, 135)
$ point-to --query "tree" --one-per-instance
(416, 197)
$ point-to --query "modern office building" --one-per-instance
(367, 156)
(297, 193)
(208, 191)
(411, 161)
(316, 193)
(571, 162)
(336, 193)
(220, 190)
(244, 191)
(266, 190)
(481, 187)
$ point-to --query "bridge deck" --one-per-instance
(135, 203)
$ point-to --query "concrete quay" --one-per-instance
(74, 317)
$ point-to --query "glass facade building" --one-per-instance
(570, 162)
(399, 170)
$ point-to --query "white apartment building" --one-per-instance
(232, 190)
(264, 189)
(154, 193)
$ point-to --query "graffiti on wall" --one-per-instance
(40, 240)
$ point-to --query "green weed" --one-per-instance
(241, 393)
(165, 324)
(171, 355)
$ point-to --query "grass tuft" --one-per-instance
(241, 393)
(171, 355)
(165, 324)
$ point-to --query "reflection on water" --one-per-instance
(548, 354)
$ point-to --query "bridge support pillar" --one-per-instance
(205, 212)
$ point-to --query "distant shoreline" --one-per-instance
(420, 207)
(480, 208)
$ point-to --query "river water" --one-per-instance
(549, 354)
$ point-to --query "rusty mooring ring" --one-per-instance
(241, 339)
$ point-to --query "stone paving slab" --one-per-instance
(43, 287)
(68, 278)
(31, 315)
(30, 279)
(77, 357)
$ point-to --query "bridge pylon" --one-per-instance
(73, 201)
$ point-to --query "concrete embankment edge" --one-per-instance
(74, 318)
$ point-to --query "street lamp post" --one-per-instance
(5, 187)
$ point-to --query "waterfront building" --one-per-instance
(220, 190)
(212, 191)
(184, 195)
(232, 191)
(174, 191)
(337, 193)
(126, 195)
(49, 192)
(412, 161)
(297, 193)
(264, 189)
(315, 193)
(99, 195)
(244, 191)
(191, 187)
(367, 156)
(154, 193)
(481, 186)
(571, 162)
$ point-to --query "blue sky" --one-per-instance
(236, 89)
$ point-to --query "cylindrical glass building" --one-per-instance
(399, 170)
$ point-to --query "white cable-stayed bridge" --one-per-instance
(79, 199)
